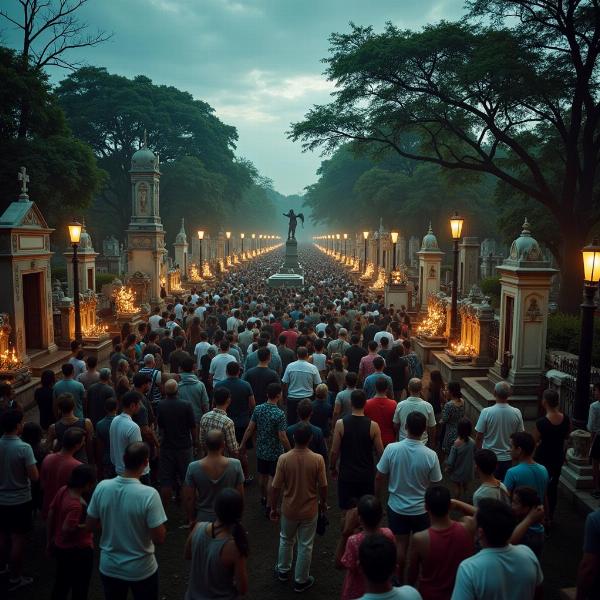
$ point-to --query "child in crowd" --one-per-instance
(485, 465)
(526, 505)
(360, 522)
(460, 462)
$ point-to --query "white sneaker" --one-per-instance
(15, 584)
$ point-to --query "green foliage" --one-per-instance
(490, 286)
(510, 91)
(406, 194)
(63, 171)
(563, 334)
(59, 272)
(111, 113)
(104, 279)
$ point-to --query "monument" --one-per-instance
(290, 274)
(145, 235)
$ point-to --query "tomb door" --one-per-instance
(32, 310)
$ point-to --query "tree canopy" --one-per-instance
(203, 179)
(63, 171)
(510, 91)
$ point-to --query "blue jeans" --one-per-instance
(117, 589)
(304, 533)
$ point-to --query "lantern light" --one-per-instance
(591, 262)
(456, 225)
(74, 232)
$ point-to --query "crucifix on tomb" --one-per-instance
(24, 179)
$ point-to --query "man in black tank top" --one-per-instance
(354, 439)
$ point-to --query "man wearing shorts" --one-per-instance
(408, 467)
(354, 439)
(18, 471)
(270, 425)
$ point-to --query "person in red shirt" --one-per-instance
(291, 335)
(56, 468)
(67, 537)
(381, 409)
(436, 553)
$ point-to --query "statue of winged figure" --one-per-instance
(293, 217)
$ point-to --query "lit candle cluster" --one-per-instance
(93, 331)
(434, 323)
(460, 349)
(125, 301)
(9, 360)
(379, 283)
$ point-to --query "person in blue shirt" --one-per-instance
(526, 472)
(370, 380)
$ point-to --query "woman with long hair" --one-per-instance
(218, 552)
(453, 412)
(436, 393)
(193, 334)
(396, 367)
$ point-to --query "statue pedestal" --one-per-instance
(290, 274)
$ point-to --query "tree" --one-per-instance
(111, 113)
(510, 91)
(63, 171)
(51, 29)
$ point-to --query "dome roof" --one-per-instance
(144, 160)
(430, 243)
(525, 249)
(181, 238)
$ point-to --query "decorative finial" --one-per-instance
(145, 139)
(430, 230)
(24, 179)
(526, 228)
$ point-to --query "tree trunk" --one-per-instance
(575, 237)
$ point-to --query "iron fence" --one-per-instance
(568, 365)
(494, 339)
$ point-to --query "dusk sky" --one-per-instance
(257, 62)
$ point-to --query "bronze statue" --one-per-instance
(293, 217)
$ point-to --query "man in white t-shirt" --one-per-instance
(178, 310)
(299, 381)
(408, 467)
(132, 519)
(218, 365)
(201, 349)
(382, 334)
(234, 322)
(154, 320)
(500, 571)
(414, 402)
(495, 426)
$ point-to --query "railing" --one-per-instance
(568, 365)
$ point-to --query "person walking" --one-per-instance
(261, 376)
(205, 478)
(371, 380)
(132, 520)
(218, 365)
(381, 408)
(268, 421)
(43, 397)
(124, 431)
(217, 419)
(551, 434)
(317, 441)
(301, 481)
(495, 426)
(342, 406)
(500, 571)
(356, 439)
(299, 381)
(452, 413)
(354, 354)
(106, 469)
(407, 468)
(97, 395)
(19, 470)
(413, 403)
(460, 462)
(192, 390)
(177, 427)
(56, 432)
(436, 553)
(218, 550)
(67, 538)
(68, 385)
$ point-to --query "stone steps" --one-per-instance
(43, 360)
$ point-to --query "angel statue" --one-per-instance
(293, 217)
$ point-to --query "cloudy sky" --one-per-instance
(257, 62)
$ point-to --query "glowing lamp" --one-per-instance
(74, 232)
(591, 262)
(456, 225)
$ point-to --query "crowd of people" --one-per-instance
(306, 389)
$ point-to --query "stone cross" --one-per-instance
(24, 179)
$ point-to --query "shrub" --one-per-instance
(103, 279)
(59, 272)
(563, 334)
(490, 286)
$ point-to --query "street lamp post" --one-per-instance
(228, 236)
(75, 236)
(456, 225)
(394, 236)
(200, 238)
(242, 238)
(345, 246)
(366, 236)
(591, 268)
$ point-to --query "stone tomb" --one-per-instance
(290, 274)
